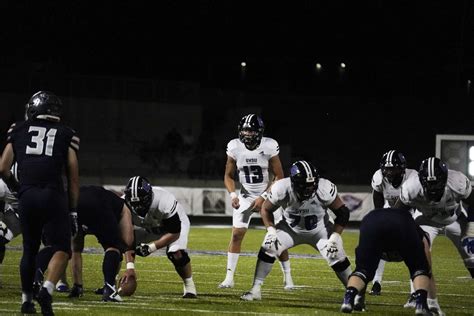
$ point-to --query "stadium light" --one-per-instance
(318, 66)
(243, 64)
(343, 65)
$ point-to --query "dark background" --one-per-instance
(406, 80)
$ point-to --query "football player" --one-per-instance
(162, 222)
(391, 234)
(43, 147)
(104, 214)
(386, 183)
(254, 157)
(305, 198)
(436, 194)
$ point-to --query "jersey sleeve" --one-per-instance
(327, 191)
(167, 204)
(377, 180)
(75, 141)
(408, 191)
(278, 191)
(459, 184)
(273, 147)
(230, 150)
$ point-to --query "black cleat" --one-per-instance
(376, 289)
(28, 308)
(46, 302)
(110, 294)
(359, 303)
(99, 291)
(76, 291)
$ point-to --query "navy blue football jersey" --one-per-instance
(41, 150)
(95, 201)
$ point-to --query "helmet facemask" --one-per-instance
(250, 130)
(433, 176)
(139, 195)
(304, 180)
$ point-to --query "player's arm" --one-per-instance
(172, 229)
(468, 240)
(126, 231)
(267, 213)
(342, 214)
(5, 163)
(378, 199)
(76, 259)
(229, 182)
(73, 178)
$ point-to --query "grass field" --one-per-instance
(159, 287)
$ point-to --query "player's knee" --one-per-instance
(262, 255)
(341, 265)
(179, 258)
(363, 275)
(417, 273)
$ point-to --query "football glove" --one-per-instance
(271, 240)
(143, 250)
(74, 223)
(334, 242)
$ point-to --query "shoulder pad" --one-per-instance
(377, 179)
(459, 183)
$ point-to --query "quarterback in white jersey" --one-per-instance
(253, 157)
(305, 199)
(162, 222)
(386, 184)
(437, 194)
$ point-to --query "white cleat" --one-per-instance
(411, 303)
(436, 310)
(226, 284)
(251, 296)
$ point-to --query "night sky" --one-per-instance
(403, 60)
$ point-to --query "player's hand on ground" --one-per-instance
(143, 250)
(129, 273)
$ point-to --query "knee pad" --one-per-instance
(420, 272)
(342, 265)
(182, 260)
(264, 257)
(363, 275)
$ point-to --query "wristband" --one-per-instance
(152, 247)
(233, 195)
(264, 195)
(271, 230)
(130, 266)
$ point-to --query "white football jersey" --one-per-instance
(381, 185)
(252, 165)
(444, 212)
(7, 197)
(163, 206)
(308, 215)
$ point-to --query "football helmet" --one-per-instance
(44, 103)
(433, 175)
(250, 130)
(304, 179)
(139, 195)
(393, 165)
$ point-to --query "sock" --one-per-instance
(412, 288)
(261, 271)
(379, 272)
(344, 275)
(26, 297)
(232, 259)
(42, 261)
(49, 286)
(109, 266)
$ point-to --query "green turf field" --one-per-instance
(159, 287)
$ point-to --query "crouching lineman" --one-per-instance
(162, 222)
(390, 234)
(304, 198)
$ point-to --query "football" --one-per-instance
(128, 288)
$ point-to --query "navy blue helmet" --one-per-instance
(393, 165)
(44, 103)
(304, 179)
(250, 130)
(433, 175)
(139, 195)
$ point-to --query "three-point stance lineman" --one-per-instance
(305, 198)
(390, 234)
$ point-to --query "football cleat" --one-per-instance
(348, 302)
(359, 303)
(36, 289)
(226, 284)
(62, 287)
(252, 295)
(76, 291)
(411, 303)
(99, 291)
(436, 310)
(376, 289)
(189, 291)
(28, 308)
(46, 302)
(110, 294)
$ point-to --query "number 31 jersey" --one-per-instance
(252, 165)
(41, 150)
